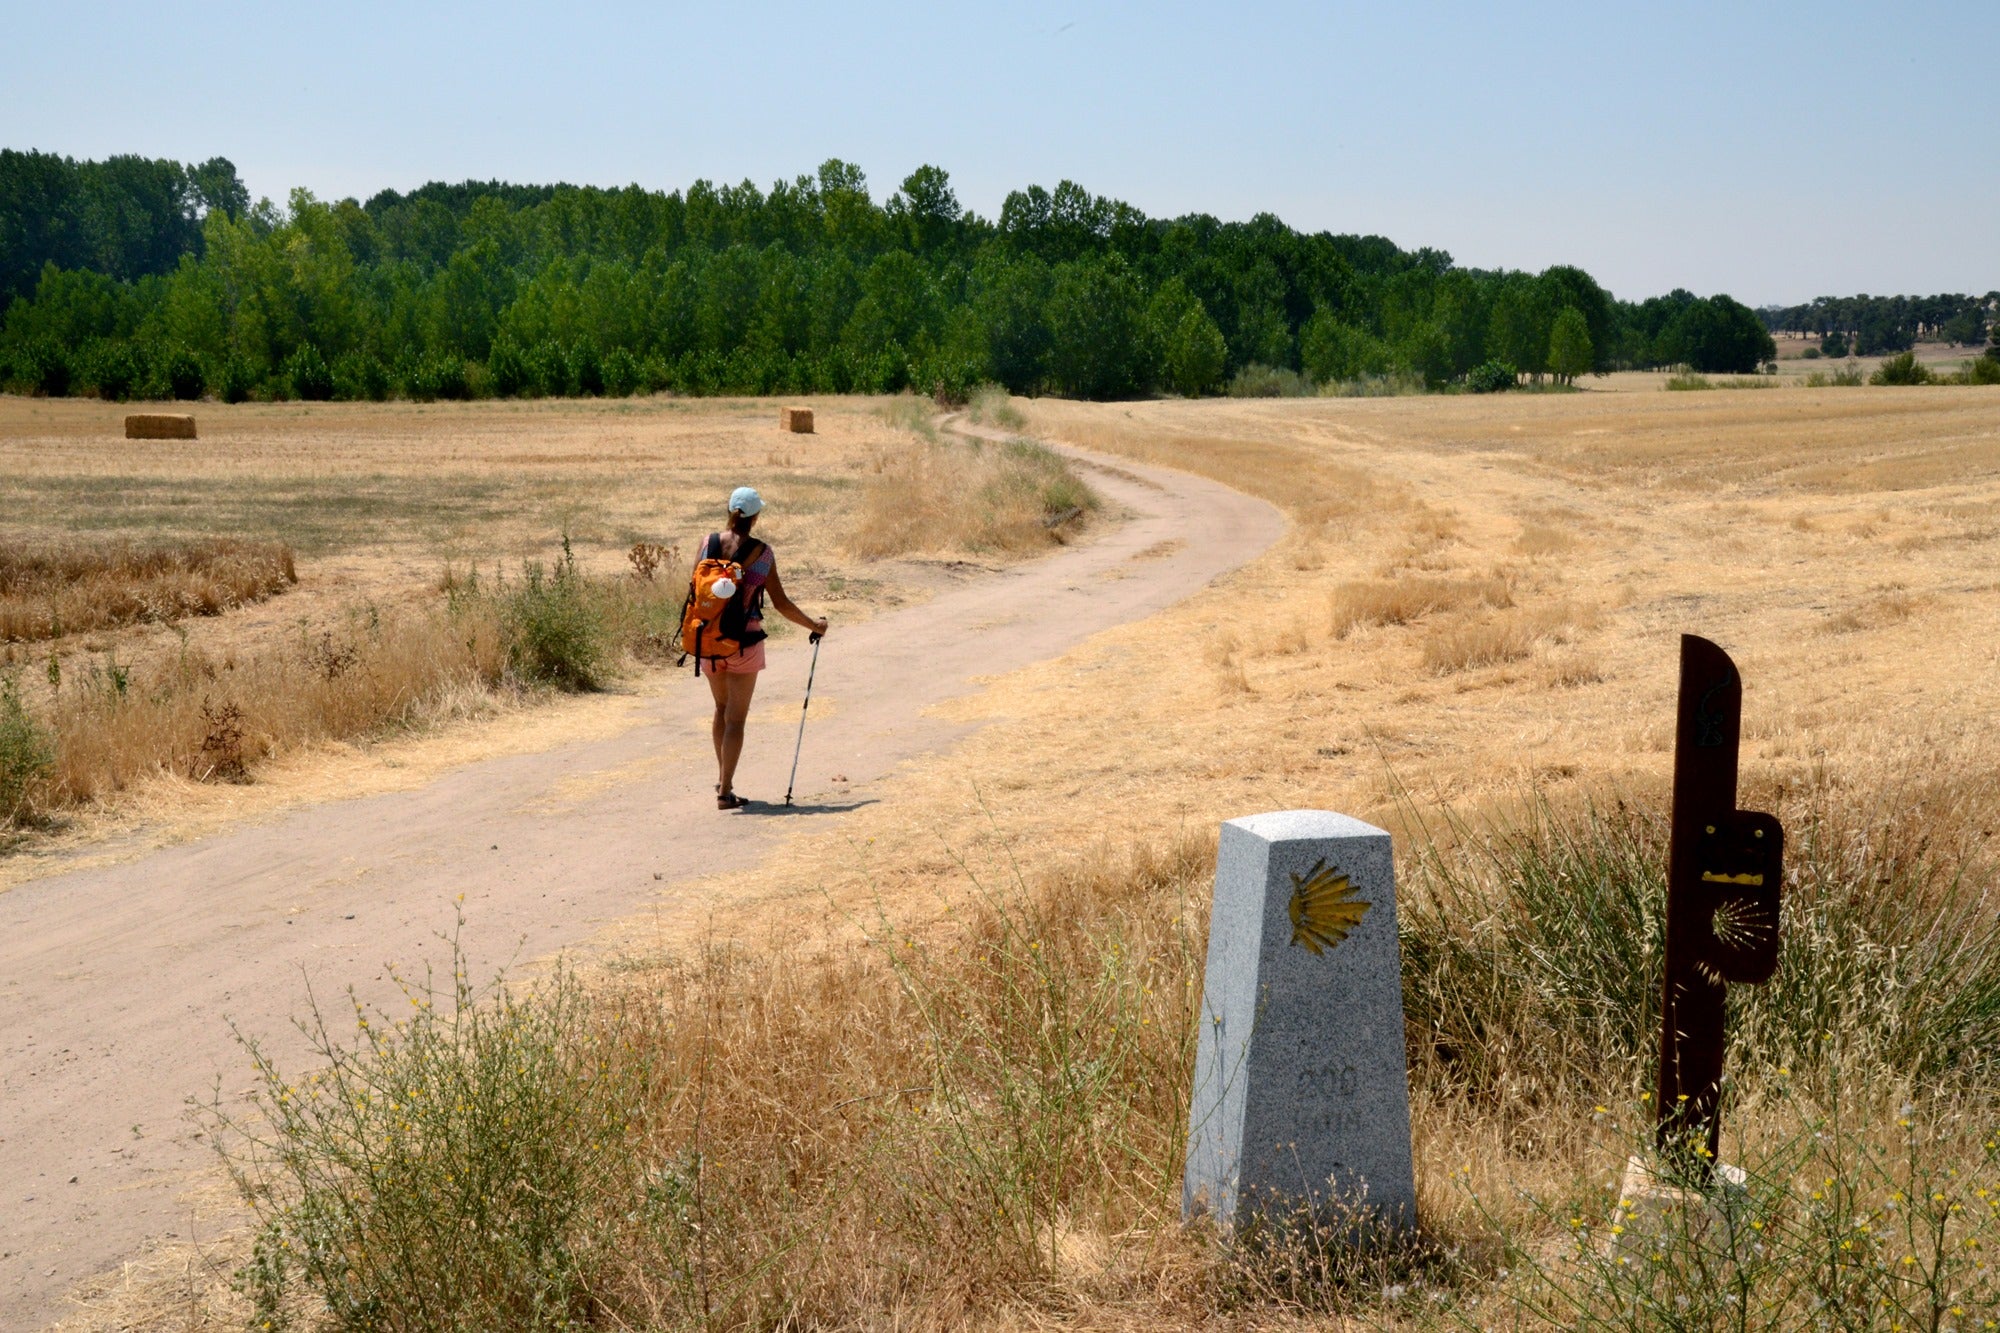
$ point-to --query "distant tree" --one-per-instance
(1567, 287)
(1426, 351)
(1194, 354)
(1882, 329)
(1333, 350)
(1723, 335)
(178, 373)
(1967, 327)
(929, 206)
(1263, 327)
(1569, 346)
(1011, 302)
(309, 375)
(1097, 329)
(899, 304)
(219, 188)
(1517, 330)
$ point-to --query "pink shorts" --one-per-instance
(746, 663)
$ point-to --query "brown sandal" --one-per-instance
(729, 801)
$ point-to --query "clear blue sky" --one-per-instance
(1774, 152)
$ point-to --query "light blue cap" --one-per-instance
(744, 500)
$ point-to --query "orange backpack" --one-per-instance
(708, 629)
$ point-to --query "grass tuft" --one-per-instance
(1401, 601)
(465, 1163)
(990, 405)
(961, 493)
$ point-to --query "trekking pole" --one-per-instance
(811, 671)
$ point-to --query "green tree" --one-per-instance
(1426, 351)
(1721, 335)
(308, 374)
(1565, 287)
(928, 207)
(1011, 303)
(899, 305)
(1333, 350)
(1517, 331)
(1097, 329)
(1570, 351)
(1193, 355)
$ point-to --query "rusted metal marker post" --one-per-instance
(1724, 867)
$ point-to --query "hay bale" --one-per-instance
(159, 426)
(797, 420)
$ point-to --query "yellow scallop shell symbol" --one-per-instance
(1324, 908)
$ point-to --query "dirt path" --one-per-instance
(115, 982)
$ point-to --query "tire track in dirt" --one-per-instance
(115, 982)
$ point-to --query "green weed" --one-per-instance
(468, 1163)
(1864, 1211)
(27, 754)
(557, 629)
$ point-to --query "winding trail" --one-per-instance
(115, 982)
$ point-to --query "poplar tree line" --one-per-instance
(130, 278)
(1875, 325)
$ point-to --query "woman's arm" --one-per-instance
(786, 607)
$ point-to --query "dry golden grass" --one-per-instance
(205, 718)
(71, 588)
(1398, 601)
(940, 492)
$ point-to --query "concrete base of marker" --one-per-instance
(1651, 1208)
(1301, 1103)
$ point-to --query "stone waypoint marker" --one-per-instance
(1301, 1088)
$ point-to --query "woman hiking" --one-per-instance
(733, 679)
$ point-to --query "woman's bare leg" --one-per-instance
(718, 685)
(732, 707)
